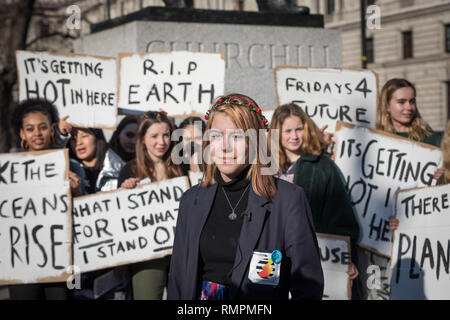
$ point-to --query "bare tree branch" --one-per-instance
(52, 34)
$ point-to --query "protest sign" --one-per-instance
(336, 260)
(35, 222)
(328, 95)
(126, 225)
(375, 164)
(80, 86)
(181, 83)
(421, 249)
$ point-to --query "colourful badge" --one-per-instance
(276, 256)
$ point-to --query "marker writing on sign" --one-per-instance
(172, 92)
(326, 87)
(22, 207)
(334, 255)
(148, 68)
(41, 240)
(432, 254)
(60, 89)
(29, 170)
(63, 67)
(161, 240)
(390, 163)
(424, 206)
(342, 112)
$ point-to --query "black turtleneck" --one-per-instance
(220, 235)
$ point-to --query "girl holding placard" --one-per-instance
(241, 233)
(153, 163)
(102, 167)
(37, 123)
(397, 113)
(303, 161)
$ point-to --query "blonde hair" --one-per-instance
(143, 166)
(244, 119)
(445, 147)
(313, 142)
(418, 129)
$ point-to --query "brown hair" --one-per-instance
(143, 166)
(100, 145)
(313, 142)
(418, 129)
(244, 119)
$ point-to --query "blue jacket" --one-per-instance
(283, 224)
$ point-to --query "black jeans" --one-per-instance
(39, 291)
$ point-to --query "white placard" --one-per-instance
(375, 165)
(126, 225)
(328, 95)
(35, 221)
(336, 259)
(421, 250)
(81, 86)
(181, 83)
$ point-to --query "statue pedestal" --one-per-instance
(254, 43)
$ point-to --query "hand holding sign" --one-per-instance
(64, 126)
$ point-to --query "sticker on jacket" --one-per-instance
(263, 270)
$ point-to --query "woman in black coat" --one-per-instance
(242, 234)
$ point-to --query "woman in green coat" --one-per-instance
(303, 161)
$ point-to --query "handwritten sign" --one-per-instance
(328, 95)
(81, 86)
(127, 225)
(375, 164)
(421, 250)
(336, 260)
(181, 83)
(35, 222)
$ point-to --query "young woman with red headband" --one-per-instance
(242, 234)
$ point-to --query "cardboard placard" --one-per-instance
(181, 83)
(328, 95)
(35, 221)
(81, 86)
(375, 164)
(335, 256)
(127, 225)
(421, 249)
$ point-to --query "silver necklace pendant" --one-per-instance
(232, 216)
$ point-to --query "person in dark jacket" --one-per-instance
(153, 163)
(304, 162)
(242, 234)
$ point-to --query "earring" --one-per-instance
(23, 144)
